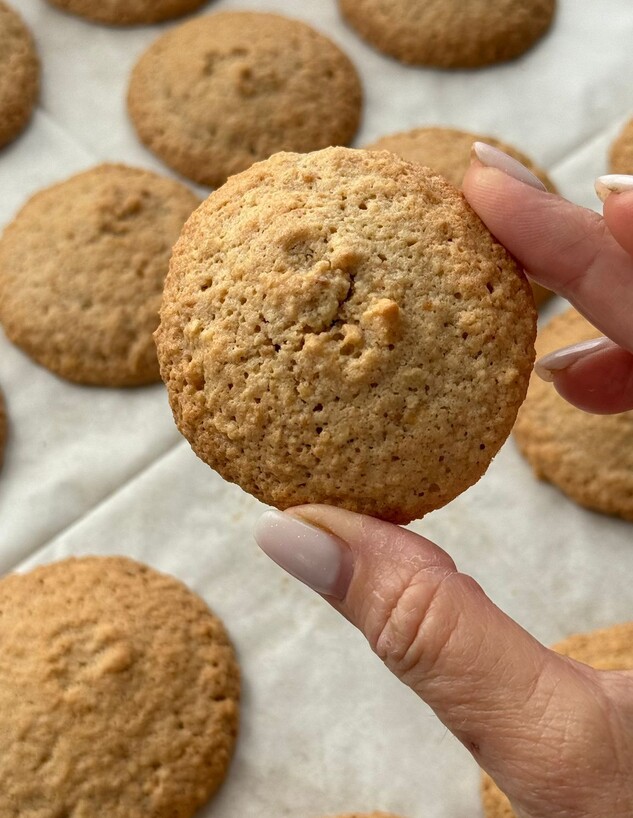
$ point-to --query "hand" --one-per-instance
(556, 735)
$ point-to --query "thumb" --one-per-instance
(524, 712)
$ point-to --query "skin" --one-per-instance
(556, 735)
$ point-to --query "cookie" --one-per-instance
(605, 649)
(128, 12)
(450, 33)
(119, 693)
(339, 327)
(621, 154)
(82, 268)
(19, 74)
(447, 151)
(589, 457)
(220, 92)
(3, 428)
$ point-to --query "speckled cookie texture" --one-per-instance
(19, 74)
(119, 693)
(621, 155)
(450, 33)
(220, 92)
(605, 649)
(82, 268)
(589, 457)
(447, 151)
(339, 327)
(128, 12)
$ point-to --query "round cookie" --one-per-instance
(3, 428)
(621, 154)
(82, 268)
(220, 92)
(128, 12)
(450, 33)
(605, 649)
(589, 457)
(339, 327)
(19, 74)
(447, 151)
(119, 693)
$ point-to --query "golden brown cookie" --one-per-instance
(19, 74)
(589, 457)
(119, 693)
(128, 12)
(621, 154)
(447, 151)
(220, 92)
(3, 428)
(605, 649)
(450, 33)
(340, 327)
(82, 268)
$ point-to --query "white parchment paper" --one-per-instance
(325, 728)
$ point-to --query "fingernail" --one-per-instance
(318, 559)
(564, 358)
(612, 183)
(494, 158)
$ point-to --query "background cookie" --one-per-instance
(605, 649)
(3, 428)
(81, 296)
(118, 692)
(589, 457)
(450, 33)
(339, 327)
(621, 155)
(223, 91)
(19, 74)
(126, 12)
(447, 151)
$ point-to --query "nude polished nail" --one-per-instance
(548, 365)
(613, 183)
(494, 158)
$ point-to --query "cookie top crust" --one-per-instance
(82, 268)
(127, 12)
(589, 457)
(19, 74)
(340, 327)
(621, 153)
(220, 92)
(119, 693)
(450, 33)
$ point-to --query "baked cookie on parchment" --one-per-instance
(19, 74)
(621, 154)
(119, 693)
(450, 33)
(128, 12)
(589, 457)
(220, 92)
(340, 327)
(82, 268)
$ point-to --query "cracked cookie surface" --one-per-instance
(119, 693)
(82, 268)
(19, 74)
(220, 92)
(340, 327)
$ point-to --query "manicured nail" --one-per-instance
(494, 158)
(311, 555)
(613, 183)
(561, 359)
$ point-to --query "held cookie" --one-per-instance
(82, 268)
(119, 693)
(447, 151)
(340, 327)
(450, 33)
(589, 457)
(605, 649)
(127, 12)
(19, 74)
(223, 91)
(621, 154)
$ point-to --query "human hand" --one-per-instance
(556, 735)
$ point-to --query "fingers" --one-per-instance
(616, 192)
(523, 711)
(564, 247)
